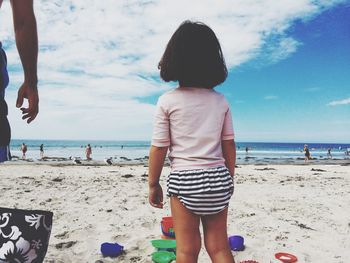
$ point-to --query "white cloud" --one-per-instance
(339, 102)
(282, 49)
(97, 57)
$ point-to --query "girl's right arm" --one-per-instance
(156, 160)
(229, 154)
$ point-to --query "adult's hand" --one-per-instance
(31, 94)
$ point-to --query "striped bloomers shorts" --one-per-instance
(202, 191)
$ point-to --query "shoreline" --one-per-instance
(61, 161)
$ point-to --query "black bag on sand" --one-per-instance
(24, 235)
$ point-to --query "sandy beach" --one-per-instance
(299, 209)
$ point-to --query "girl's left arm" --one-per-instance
(156, 160)
(229, 154)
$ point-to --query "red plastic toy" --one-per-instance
(286, 258)
(167, 227)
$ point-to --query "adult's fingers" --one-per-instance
(25, 110)
(29, 116)
(25, 116)
(33, 107)
(20, 98)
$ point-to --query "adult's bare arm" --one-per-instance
(27, 45)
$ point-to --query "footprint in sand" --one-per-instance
(147, 225)
(127, 176)
(64, 245)
(63, 235)
(318, 170)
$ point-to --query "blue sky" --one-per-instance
(289, 64)
(289, 100)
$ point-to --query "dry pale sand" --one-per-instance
(291, 208)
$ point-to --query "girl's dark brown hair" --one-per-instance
(193, 57)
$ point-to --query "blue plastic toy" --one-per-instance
(111, 249)
(236, 243)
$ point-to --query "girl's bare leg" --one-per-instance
(186, 227)
(215, 237)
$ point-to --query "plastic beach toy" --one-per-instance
(236, 243)
(163, 257)
(286, 258)
(167, 226)
(164, 245)
(111, 249)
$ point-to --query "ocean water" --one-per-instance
(139, 149)
(67, 148)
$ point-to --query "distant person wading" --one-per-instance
(329, 153)
(307, 153)
(24, 150)
(88, 152)
(42, 151)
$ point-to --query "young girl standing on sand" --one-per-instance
(194, 122)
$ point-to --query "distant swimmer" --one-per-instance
(246, 150)
(307, 153)
(122, 147)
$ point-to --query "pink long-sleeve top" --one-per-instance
(192, 122)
